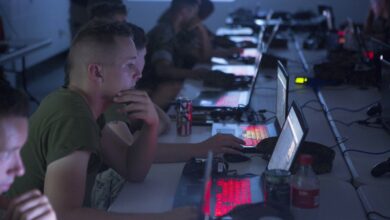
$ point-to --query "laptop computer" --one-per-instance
(327, 12)
(221, 194)
(253, 134)
(233, 98)
(238, 98)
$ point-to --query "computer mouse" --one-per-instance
(267, 145)
(235, 158)
(381, 168)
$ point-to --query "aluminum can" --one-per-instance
(183, 116)
(277, 188)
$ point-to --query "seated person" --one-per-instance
(118, 12)
(13, 134)
(109, 183)
(378, 21)
(66, 147)
(167, 63)
(196, 39)
(204, 38)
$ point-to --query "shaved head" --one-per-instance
(96, 43)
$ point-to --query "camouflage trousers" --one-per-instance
(106, 188)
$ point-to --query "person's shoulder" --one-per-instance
(60, 106)
(66, 102)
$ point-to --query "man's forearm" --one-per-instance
(142, 153)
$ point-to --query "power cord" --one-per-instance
(364, 122)
(366, 152)
(269, 119)
(354, 110)
(338, 142)
(338, 108)
(262, 111)
(310, 101)
(377, 214)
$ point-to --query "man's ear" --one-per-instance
(95, 72)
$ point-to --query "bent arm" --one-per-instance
(180, 152)
(131, 162)
(65, 184)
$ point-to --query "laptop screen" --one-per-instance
(293, 132)
(281, 94)
(385, 87)
(327, 12)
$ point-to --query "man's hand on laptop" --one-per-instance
(137, 106)
(222, 143)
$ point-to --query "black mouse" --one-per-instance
(381, 168)
(235, 158)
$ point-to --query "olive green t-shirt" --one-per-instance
(62, 124)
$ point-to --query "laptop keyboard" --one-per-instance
(231, 193)
(253, 134)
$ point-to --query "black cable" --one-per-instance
(338, 142)
(265, 111)
(339, 108)
(314, 109)
(310, 101)
(371, 126)
(366, 152)
(363, 122)
(378, 214)
(353, 110)
(348, 124)
(269, 119)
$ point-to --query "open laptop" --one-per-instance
(233, 98)
(221, 194)
(239, 98)
(249, 54)
(253, 134)
(327, 12)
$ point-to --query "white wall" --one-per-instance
(49, 18)
(37, 19)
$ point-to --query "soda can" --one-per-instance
(183, 116)
(277, 188)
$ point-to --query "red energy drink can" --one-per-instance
(183, 116)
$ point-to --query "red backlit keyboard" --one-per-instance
(231, 193)
(253, 134)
